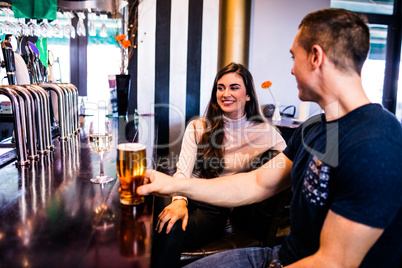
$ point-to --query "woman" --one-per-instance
(228, 140)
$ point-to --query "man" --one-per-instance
(343, 166)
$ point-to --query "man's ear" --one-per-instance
(317, 55)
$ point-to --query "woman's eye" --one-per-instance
(221, 88)
(235, 88)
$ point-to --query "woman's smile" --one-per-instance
(231, 95)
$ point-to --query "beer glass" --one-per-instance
(131, 164)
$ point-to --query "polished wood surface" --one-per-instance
(51, 215)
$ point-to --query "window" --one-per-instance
(103, 59)
(380, 74)
(374, 67)
(399, 99)
(59, 48)
(366, 6)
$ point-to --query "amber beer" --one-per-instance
(131, 164)
(133, 234)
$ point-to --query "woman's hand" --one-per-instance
(171, 214)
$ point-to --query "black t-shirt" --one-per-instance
(352, 166)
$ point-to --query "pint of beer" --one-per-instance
(131, 164)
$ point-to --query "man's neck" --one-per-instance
(345, 94)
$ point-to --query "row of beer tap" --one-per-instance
(33, 117)
(38, 107)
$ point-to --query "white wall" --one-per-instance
(274, 26)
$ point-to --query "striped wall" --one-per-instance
(174, 77)
(178, 51)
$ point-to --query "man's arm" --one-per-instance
(343, 243)
(230, 191)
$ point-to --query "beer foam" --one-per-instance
(131, 146)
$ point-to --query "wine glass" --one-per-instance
(8, 26)
(81, 29)
(57, 29)
(91, 24)
(46, 29)
(34, 29)
(23, 26)
(69, 30)
(100, 140)
(103, 31)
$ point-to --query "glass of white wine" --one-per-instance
(100, 140)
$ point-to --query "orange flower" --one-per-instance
(266, 84)
(120, 37)
(125, 43)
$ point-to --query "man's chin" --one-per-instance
(303, 97)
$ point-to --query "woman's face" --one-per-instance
(231, 95)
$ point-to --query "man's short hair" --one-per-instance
(342, 34)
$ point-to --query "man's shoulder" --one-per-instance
(373, 122)
(372, 141)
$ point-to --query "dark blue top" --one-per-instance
(352, 166)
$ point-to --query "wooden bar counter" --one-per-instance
(51, 215)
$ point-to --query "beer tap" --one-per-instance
(62, 98)
(47, 135)
(69, 108)
(18, 109)
(39, 117)
(76, 108)
(33, 62)
(29, 120)
(9, 61)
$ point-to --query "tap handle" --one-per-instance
(9, 61)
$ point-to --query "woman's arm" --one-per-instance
(188, 152)
(177, 210)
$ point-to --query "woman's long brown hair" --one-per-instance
(210, 151)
